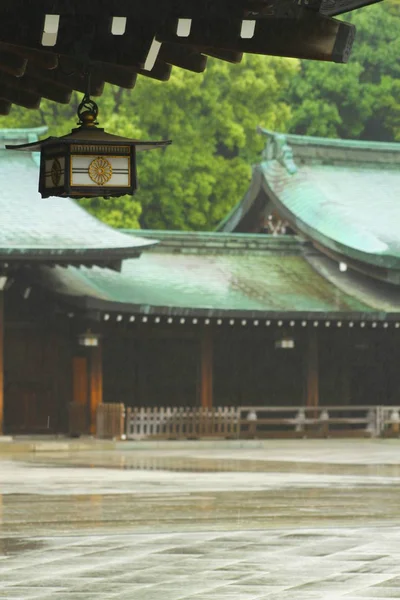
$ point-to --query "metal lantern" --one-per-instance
(88, 162)
(89, 339)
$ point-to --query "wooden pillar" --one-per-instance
(96, 384)
(206, 369)
(2, 328)
(312, 376)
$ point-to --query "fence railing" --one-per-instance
(292, 421)
(388, 421)
(180, 422)
(261, 422)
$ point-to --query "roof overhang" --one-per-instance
(39, 58)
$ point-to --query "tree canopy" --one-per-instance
(361, 99)
(212, 120)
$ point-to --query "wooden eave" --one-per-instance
(30, 71)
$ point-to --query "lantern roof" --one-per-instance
(90, 135)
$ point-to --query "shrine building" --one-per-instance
(294, 301)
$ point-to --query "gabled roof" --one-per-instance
(55, 230)
(221, 276)
(343, 195)
(45, 46)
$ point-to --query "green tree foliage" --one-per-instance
(212, 120)
(360, 99)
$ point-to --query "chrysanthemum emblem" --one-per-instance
(55, 172)
(100, 170)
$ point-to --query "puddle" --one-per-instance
(10, 546)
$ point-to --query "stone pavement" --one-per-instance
(292, 520)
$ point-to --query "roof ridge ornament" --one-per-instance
(277, 148)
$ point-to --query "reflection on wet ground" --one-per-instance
(215, 465)
(202, 525)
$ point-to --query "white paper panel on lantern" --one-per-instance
(54, 172)
(104, 171)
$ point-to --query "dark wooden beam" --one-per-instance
(69, 75)
(310, 36)
(226, 55)
(122, 76)
(19, 97)
(43, 88)
(12, 63)
(338, 7)
(185, 58)
(137, 9)
(206, 369)
(5, 106)
(160, 71)
(93, 38)
(44, 60)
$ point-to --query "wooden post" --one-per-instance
(2, 328)
(206, 370)
(96, 384)
(312, 378)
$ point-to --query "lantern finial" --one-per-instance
(87, 110)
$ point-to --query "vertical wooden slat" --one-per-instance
(1, 362)
(312, 378)
(96, 384)
(206, 382)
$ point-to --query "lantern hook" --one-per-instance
(87, 110)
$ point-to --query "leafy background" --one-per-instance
(212, 119)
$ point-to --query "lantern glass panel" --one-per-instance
(91, 170)
(54, 171)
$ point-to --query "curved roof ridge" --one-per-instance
(302, 140)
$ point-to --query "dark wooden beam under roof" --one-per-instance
(43, 88)
(5, 106)
(12, 63)
(226, 55)
(39, 58)
(19, 97)
(185, 58)
(83, 34)
(161, 71)
(310, 35)
(338, 7)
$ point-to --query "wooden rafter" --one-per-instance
(41, 60)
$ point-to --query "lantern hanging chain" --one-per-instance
(87, 110)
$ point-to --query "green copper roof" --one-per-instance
(225, 275)
(342, 194)
(55, 229)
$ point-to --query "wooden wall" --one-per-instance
(37, 366)
(249, 370)
(150, 371)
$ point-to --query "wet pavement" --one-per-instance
(293, 519)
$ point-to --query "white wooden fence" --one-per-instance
(180, 422)
(261, 422)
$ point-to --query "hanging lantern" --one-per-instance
(88, 162)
